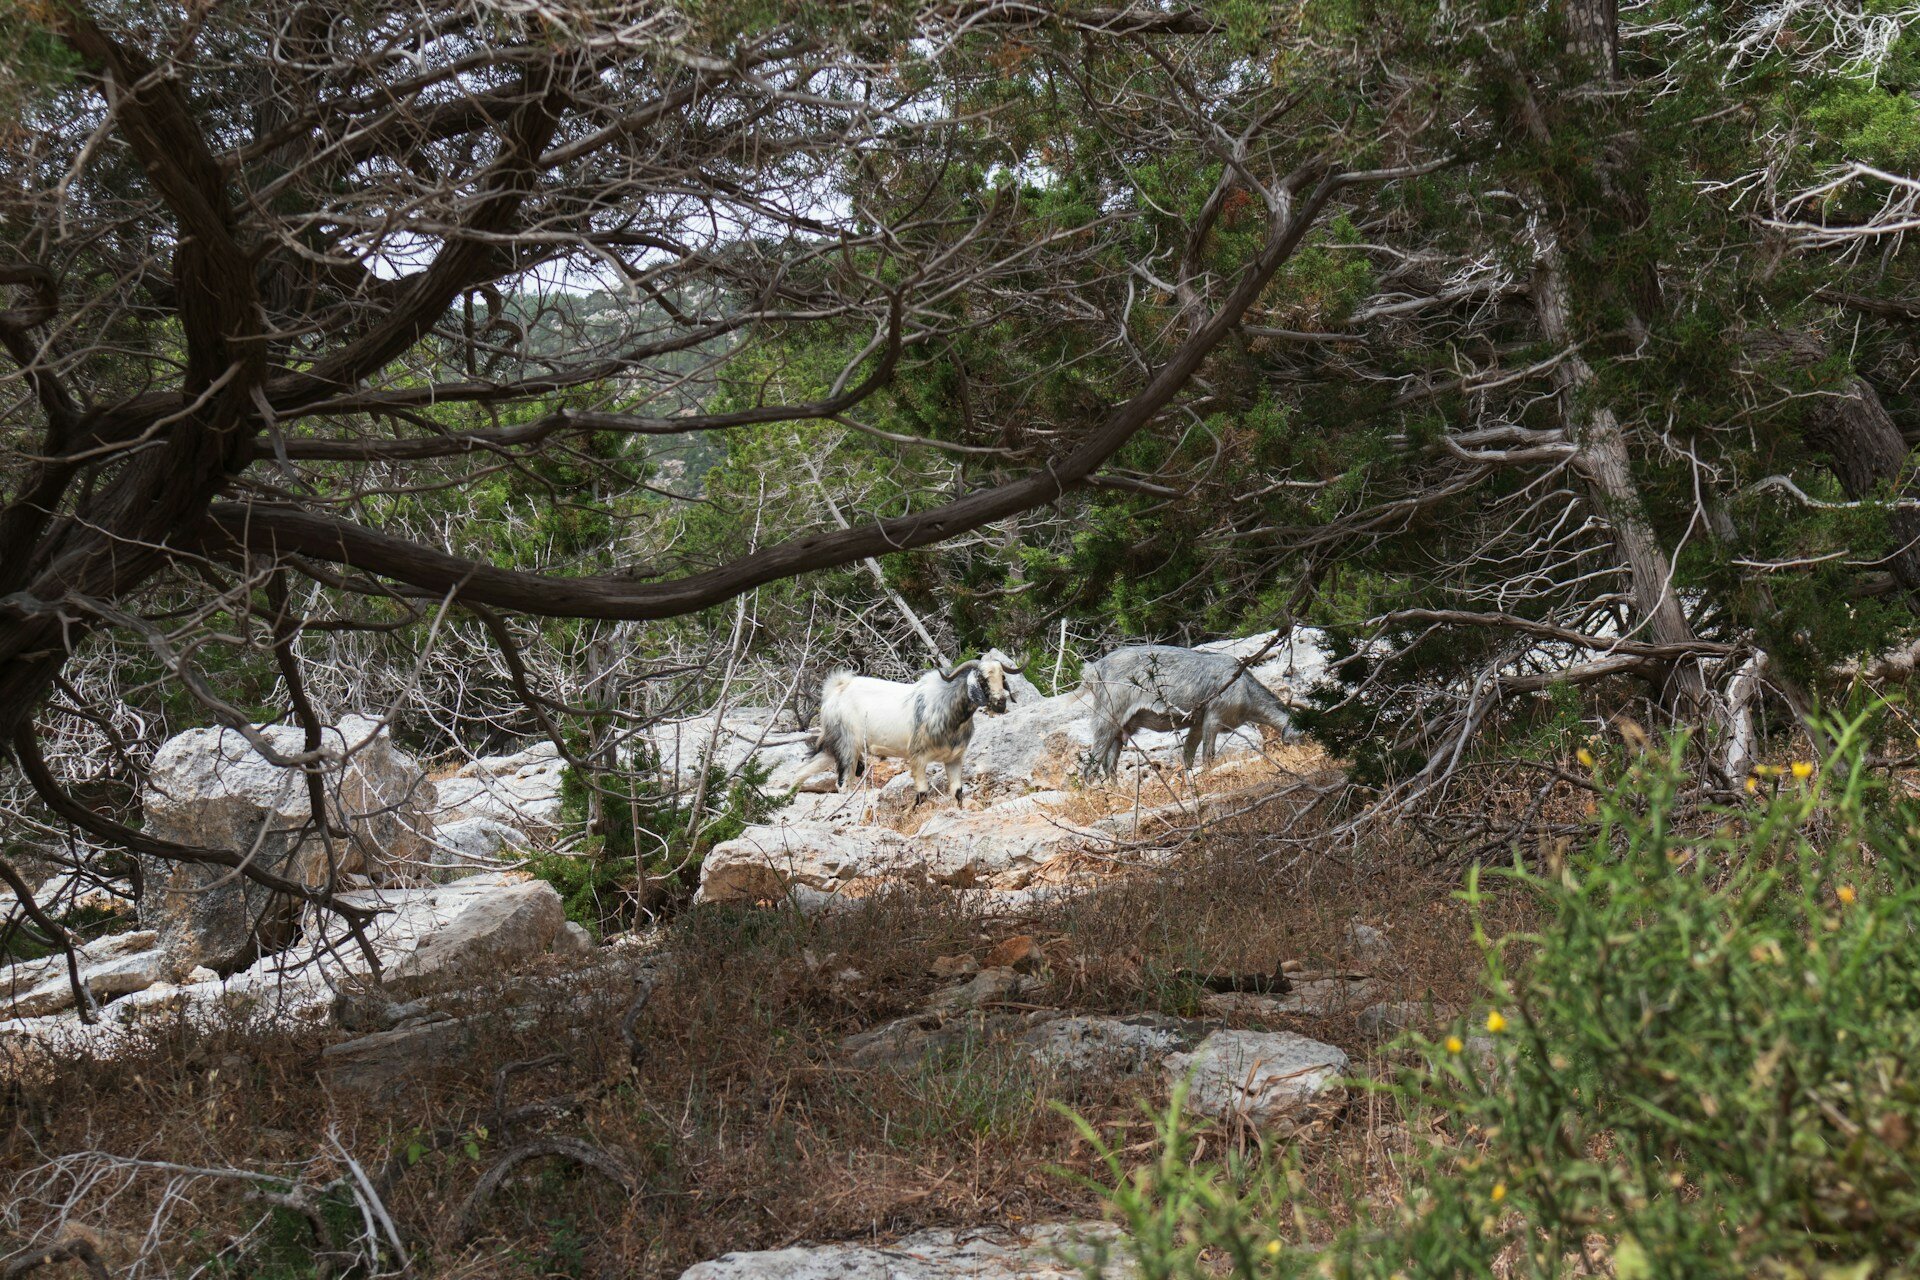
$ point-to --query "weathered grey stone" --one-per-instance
(1097, 1045)
(491, 934)
(1391, 1017)
(930, 1035)
(110, 967)
(1054, 1251)
(1261, 1077)
(387, 1061)
(574, 940)
(988, 986)
(468, 845)
(210, 787)
(1368, 945)
(520, 790)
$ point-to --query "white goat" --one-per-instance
(927, 722)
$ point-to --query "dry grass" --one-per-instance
(743, 1126)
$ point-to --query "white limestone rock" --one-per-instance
(109, 967)
(1053, 1251)
(520, 790)
(1264, 1078)
(1100, 1045)
(488, 936)
(210, 787)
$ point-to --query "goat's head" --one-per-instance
(986, 678)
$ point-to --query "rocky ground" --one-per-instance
(1069, 940)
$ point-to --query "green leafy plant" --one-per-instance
(646, 839)
(1705, 1057)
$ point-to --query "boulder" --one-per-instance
(467, 845)
(1052, 1251)
(1037, 744)
(488, 936)
(1291, 667)
(680, 748)
(1095, 1045)
(520, 790)
(1264, 1078)
(210, 787)
(574, 940)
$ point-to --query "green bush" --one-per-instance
(1706, 1062)
(600, 881)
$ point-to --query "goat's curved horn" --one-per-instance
(960, 670)
(1009, 668)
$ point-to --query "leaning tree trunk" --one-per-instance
(1603, 462)
(1862, 444)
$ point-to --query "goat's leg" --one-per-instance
(957, 779)
(1104, 758)
(1192, 744)
(919, 766)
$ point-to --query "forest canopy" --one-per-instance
(503, 366)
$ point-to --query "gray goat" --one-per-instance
(1159, 686)
(927, 722)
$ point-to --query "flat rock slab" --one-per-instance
(1261, 1077)
(489, 936)
(109, 967)
(1313, 998)
(1056, 1251)
(1100, 1045)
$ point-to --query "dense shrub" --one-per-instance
(647, 841)
(1702, 1063)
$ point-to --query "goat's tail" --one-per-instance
(833, 742)
(831, 688)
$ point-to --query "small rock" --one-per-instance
(1368, 945)
(947, 968)
(1390, 1017)
(200, 973)
(573, 940)
(986, 987)
(1108, 1045)
(1019, 953)
(1262, 1077)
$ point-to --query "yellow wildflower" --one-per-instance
(1455, 1044)
(1803, 769)
(1753, 784)
(1846, 894)
(1584, 756)
(1273, 1248)
(1499, 1192)
(1496, 1023)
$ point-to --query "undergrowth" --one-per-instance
(1701, 1062)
